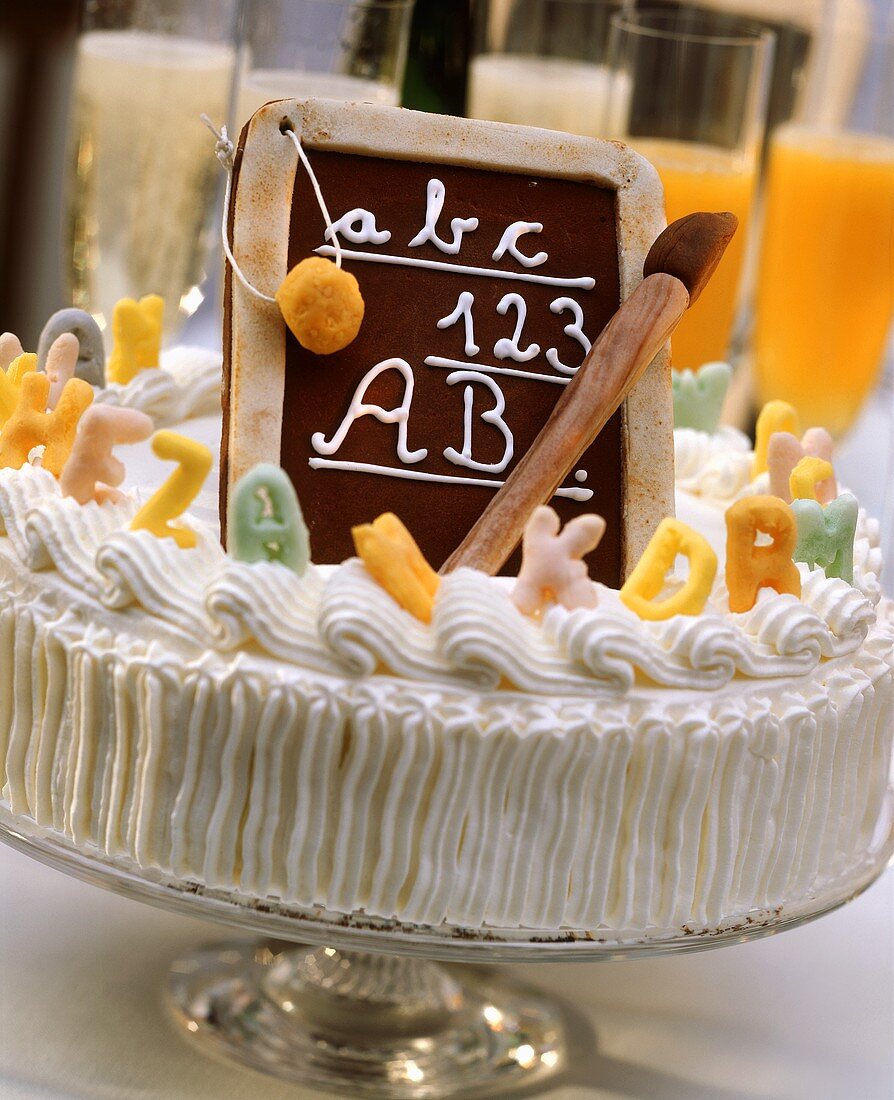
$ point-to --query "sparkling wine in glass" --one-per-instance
(353, 50)
(142, 182)
(542, 63)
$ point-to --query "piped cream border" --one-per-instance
(255, 345)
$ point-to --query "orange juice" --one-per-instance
(706, 177)
(826, 289)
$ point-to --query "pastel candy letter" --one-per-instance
(809, 473)
(91, 353)
(265, 521)
(9, 397)
(10, 384)
(750, 567)
(826, 535)
(699, 396)
(136, 335)
(775, 416)
(178, 492)
(62, 361)
(784, 452)
(394, 561)
(552, 566)
(31, 425)
(647, 580)
(10, 348)
(92, 472)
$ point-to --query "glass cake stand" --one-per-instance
(362, 1006)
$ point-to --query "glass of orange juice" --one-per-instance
(694, 103)
(825, 293)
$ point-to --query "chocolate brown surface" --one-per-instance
(403, 307)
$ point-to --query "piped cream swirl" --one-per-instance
(186, 384)
(715, 464)
(338, 620)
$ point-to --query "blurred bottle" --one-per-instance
(438, 58)
(825, 287)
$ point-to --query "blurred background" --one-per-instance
(780, 110)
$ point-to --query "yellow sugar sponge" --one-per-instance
(321, 304)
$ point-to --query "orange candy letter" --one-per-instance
(394, 561)
(750, 567)
(31, 425)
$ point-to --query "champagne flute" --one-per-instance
(142, 181)
(542, 63)
(694, 103)
(332, 49)
(825, 291)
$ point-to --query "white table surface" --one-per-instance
(807, 1015)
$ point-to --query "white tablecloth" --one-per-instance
(808, 1014)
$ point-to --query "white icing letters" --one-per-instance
(573, 330)
(506, 348)
(434, 204)
(359, 227)
(477, 379)
(509, 243)
(492, 416)
(463, 309)
(358, 408)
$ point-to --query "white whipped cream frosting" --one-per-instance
(712, 464)
(340, 620)
(306, 738)
(185, 384)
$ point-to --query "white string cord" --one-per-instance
(315, 183)
(224, 150)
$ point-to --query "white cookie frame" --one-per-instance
(260, 222)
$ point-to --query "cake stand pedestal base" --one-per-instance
(367, 1012)
(362, 1024)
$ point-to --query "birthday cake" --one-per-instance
(308, 739)
(683, 751)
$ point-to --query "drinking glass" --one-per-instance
(825, 291)
(694, 103)
(142, 179)
(803, 29)
(334, 49)
(542, 63)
